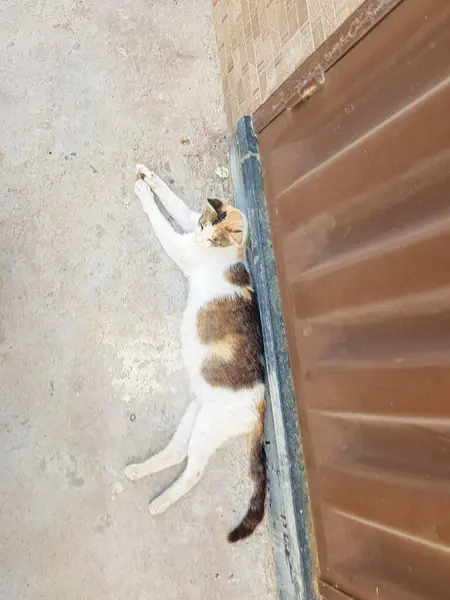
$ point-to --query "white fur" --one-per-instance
(216, 414)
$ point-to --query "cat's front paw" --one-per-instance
(142, 191)
(144, 173)
(133, 472)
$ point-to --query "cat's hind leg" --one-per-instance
(173, 454)
(214, 426)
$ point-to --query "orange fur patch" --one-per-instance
(224, 348)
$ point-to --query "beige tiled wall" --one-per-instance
(262, 42)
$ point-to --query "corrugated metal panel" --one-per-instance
(357, 183)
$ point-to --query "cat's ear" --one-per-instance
(236, 237)
(215, 204)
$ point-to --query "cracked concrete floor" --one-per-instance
(90, 307)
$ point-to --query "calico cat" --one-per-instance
(221, 341)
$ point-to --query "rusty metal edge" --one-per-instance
(288, 497)
(365, 18)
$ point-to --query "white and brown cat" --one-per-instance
(222, 345)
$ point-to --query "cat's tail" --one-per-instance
(258, 472)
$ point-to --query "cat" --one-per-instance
(221, 344)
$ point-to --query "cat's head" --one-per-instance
(221, 225)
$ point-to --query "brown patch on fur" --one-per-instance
(238, 275)
(231, 326)
(258, 472)
(216, 205)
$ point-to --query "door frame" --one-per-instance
(363, 20)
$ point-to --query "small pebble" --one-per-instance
(222, 172)
(132, 417)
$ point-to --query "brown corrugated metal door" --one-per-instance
(357, 181)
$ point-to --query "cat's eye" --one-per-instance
(220, 218)
(201, 226)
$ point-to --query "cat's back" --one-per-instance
(221, 333)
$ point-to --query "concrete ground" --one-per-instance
(90, 309)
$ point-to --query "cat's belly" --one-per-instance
(194, 353)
